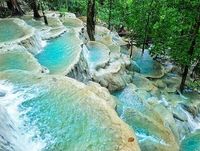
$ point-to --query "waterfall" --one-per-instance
(34, 44)
(193, 122)
(12, 133)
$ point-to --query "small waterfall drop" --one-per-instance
(12, 135)
(194, 122)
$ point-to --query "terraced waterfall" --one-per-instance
(59, 92)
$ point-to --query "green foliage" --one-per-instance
(172, 31)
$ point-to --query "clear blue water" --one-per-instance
(59, 53)
(10, 31)
(97, 54)
(17, 60)
(148, 66)
(191, 142)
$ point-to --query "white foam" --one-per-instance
(194, 123)
(23, 137)
(142, 137)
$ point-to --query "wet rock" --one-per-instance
(102, 92)
(160, 84)
(142, 83)
(107, 70)
(167, 118)
(113, 77)
(114, 52)
(178, 113)
(191, 109)
(72, 22)
(80, 71)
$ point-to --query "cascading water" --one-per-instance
(193, 122)
(13, 134)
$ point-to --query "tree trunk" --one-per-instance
(44, 16)
(110, 13)
(146, 30)
(91, 19)
(34, 7)
(184, 77)
(131, 53)
(194, 34)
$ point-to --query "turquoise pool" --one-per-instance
(97, 55)
(148, 66)
(10, 31)
(191, 142)
(18, 60)
(60, 53)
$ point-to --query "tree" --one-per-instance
(146, 27)
(194, 35)
(44, 16)
(176, 33)
(33, 5)
(91, 19)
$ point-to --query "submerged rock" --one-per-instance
(18, 59)
(68, 115)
